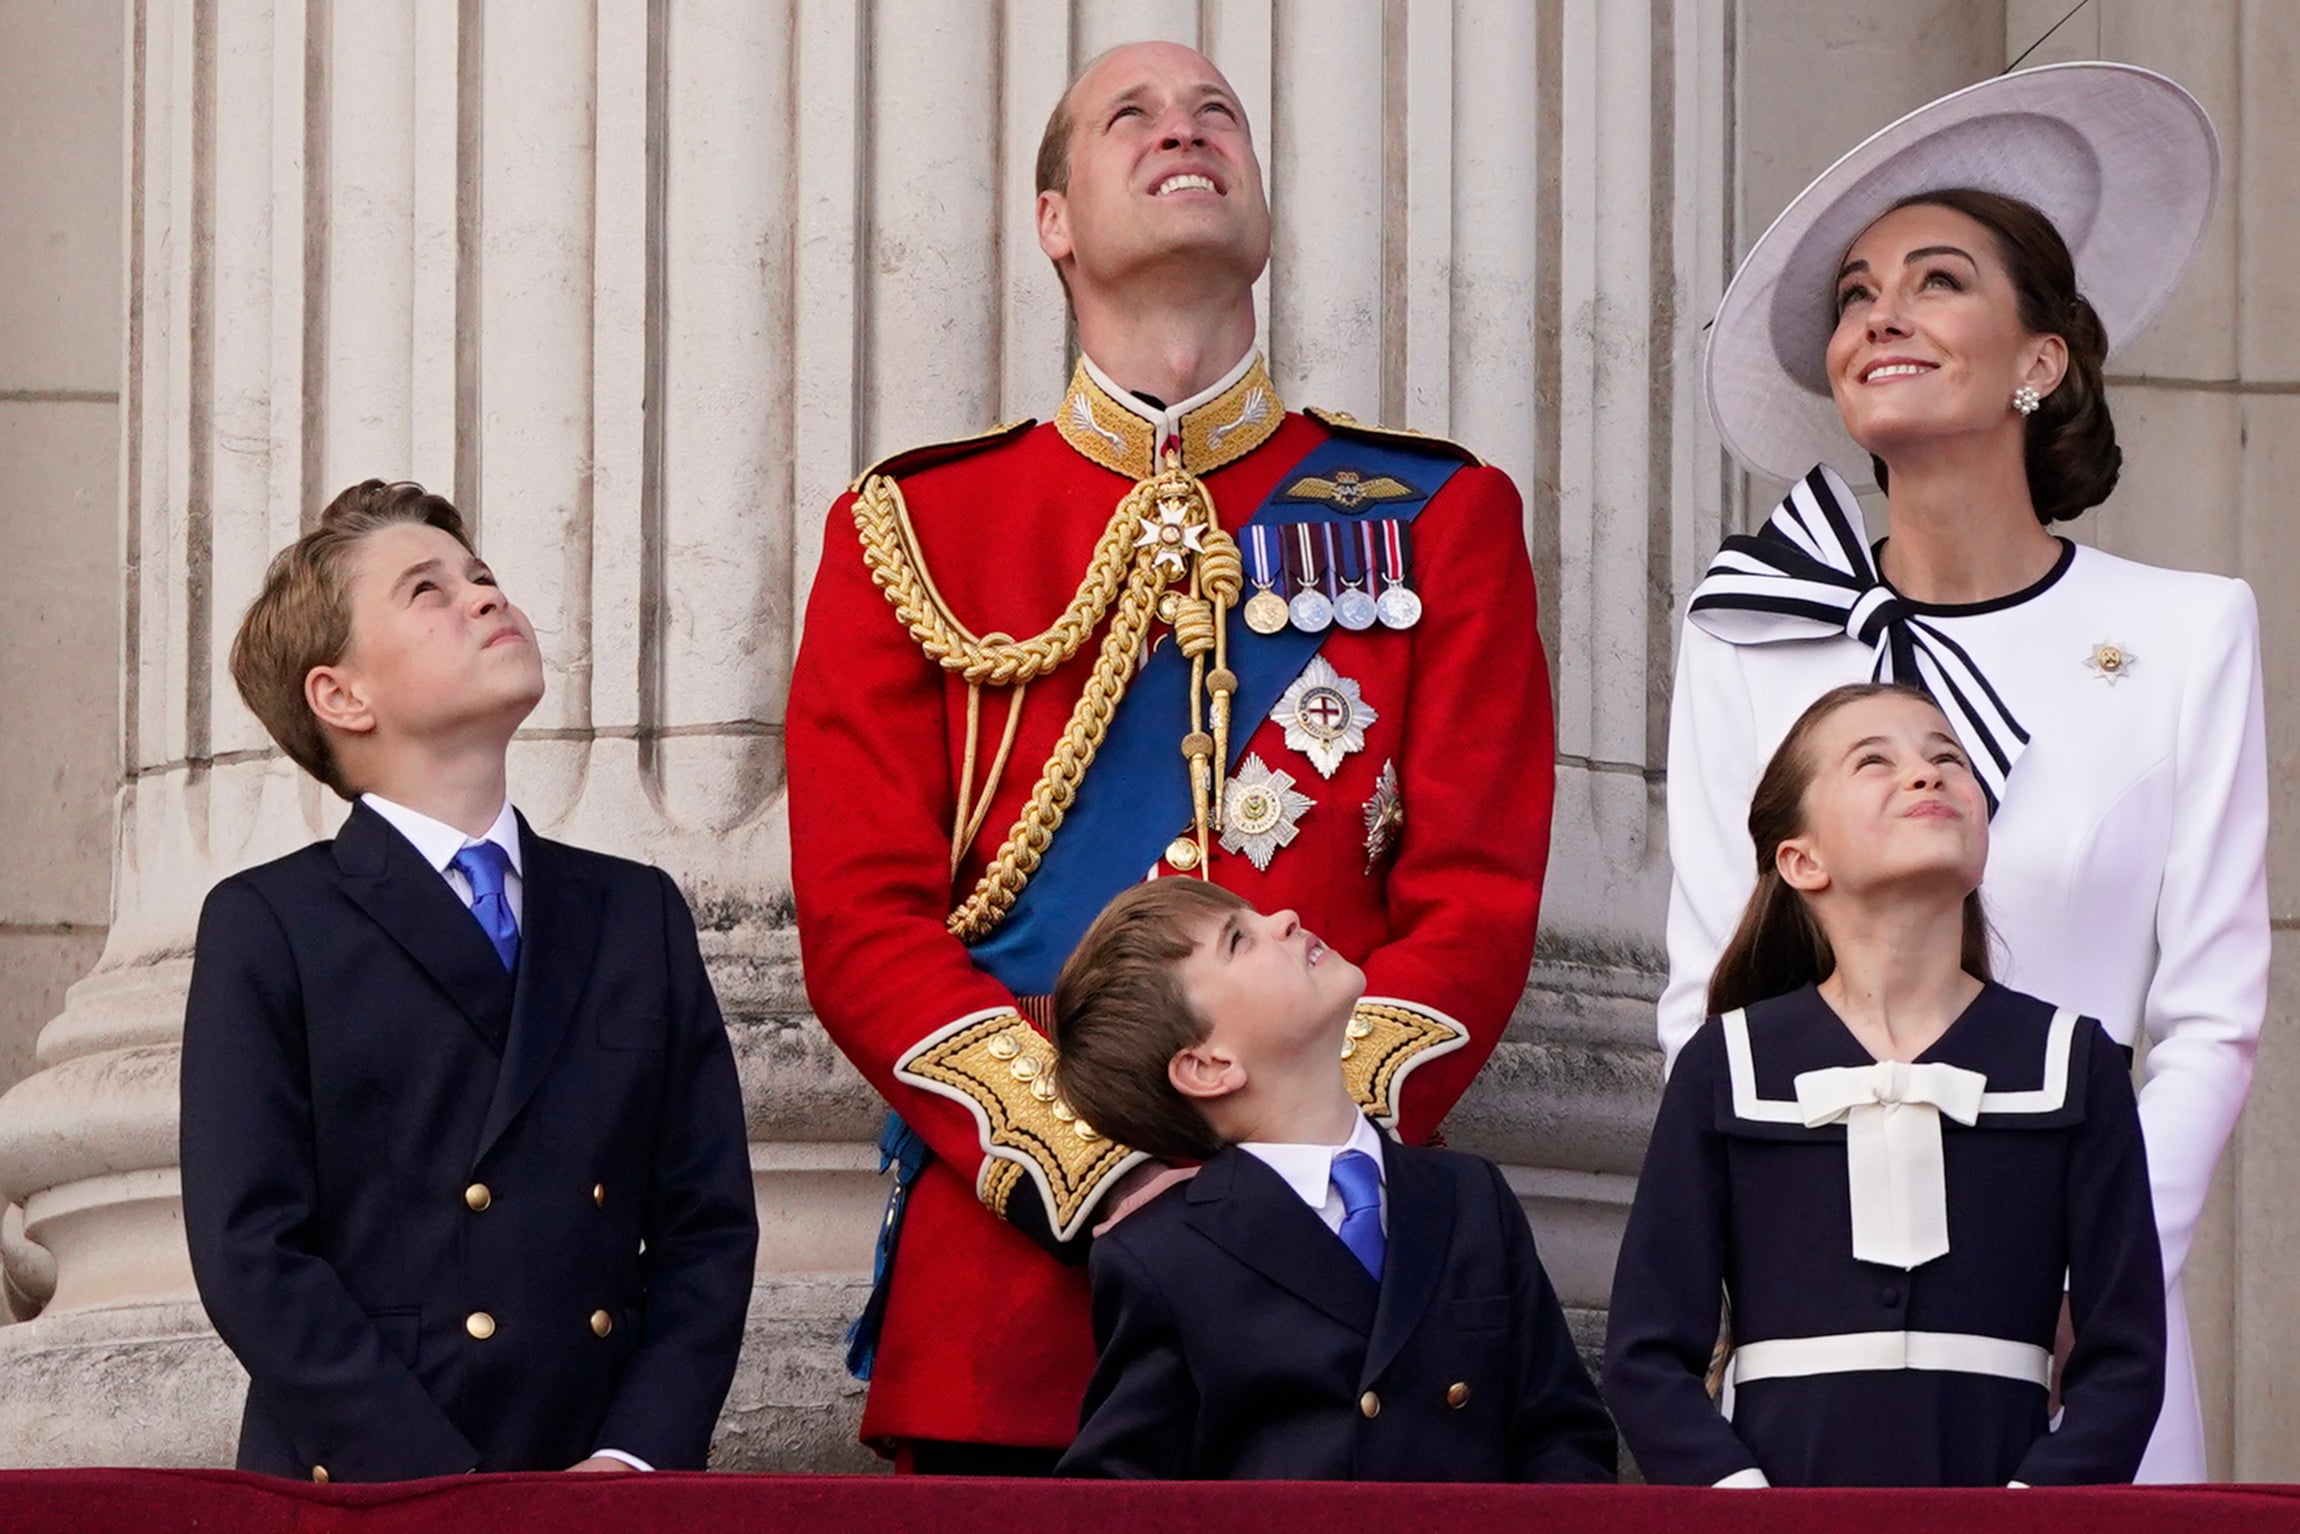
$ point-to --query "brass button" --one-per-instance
(480, 1324)
(319, 1474)
(1024, 1069)
(1457, 1395)
(478, 1196)
(1182, 854)
(1003, 1046)
(1370, 1404)
(601, 1323)
(598, 1195)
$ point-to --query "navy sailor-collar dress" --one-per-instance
(1901, 1335)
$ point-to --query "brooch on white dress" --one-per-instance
(2110, 662)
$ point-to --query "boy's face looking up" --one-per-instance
(436, 649)
(1275, 1001)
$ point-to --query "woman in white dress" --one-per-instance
(1916, 315)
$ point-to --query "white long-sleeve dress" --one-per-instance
(2127, 873)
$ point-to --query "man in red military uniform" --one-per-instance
(1284, 652)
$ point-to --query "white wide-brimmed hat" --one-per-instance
(2122, 160)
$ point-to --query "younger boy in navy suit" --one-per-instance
(464, 1165)
(1319, 1301)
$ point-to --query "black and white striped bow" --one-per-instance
(1807, 574)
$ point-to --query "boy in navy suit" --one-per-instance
(464, 1165)
(1319, 1301)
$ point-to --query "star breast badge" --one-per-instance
(1324, 715)
(1385, 816)
(1260, 810)
(2110, 662)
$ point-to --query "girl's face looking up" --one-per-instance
(1891, 803)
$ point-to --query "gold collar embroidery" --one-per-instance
(1223, 430)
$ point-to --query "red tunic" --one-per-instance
(986, 1336)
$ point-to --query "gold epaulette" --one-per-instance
(1003, 1069)
(1342, 424)
(1387, 1038)
(911, 459)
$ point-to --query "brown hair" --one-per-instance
(1054, 144)
(1779, 946)
(2072, 456)
(1120, 1016)
(300, 618)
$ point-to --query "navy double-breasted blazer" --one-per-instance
(1241, 1340)
(452, 1218)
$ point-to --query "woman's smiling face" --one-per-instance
(1929, 342)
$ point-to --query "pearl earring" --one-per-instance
(2026, 399)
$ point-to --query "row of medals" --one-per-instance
(1313, 612)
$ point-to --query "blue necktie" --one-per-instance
(1359, 1178)
(484, 864)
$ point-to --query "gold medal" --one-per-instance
(1266, 612)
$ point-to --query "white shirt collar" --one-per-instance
(438, 841)
(1167, 422)
(1309, 1169)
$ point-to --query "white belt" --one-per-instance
(1855, 1352)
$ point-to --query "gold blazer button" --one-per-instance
(478, 1196)
(1370, 1404)
(480, 1324)
(601, 1323)
(598, 1195)
(319, 1474)
(1457, 1395)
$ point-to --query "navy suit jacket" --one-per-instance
(1241, 1340)
(450, 1218)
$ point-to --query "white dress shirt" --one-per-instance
(1309, 1170)
(439, 842)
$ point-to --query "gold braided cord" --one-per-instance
(1001, 883)
(1127, 580)
(963, 835)
(890, 549)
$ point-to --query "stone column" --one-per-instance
(641, 283)
(59, 505)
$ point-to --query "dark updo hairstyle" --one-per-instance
(2072, 454)
(1779, 947)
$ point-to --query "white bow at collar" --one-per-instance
(1892, 1116)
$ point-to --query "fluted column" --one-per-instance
(641, 284)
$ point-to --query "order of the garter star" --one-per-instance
(1325, 716)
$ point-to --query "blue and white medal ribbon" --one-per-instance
(1265, 609)
(1807, 574)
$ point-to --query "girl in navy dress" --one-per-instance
(1885, 1164)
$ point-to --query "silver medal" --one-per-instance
(1311, 612)
(1398, 607)
(1354, 610)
